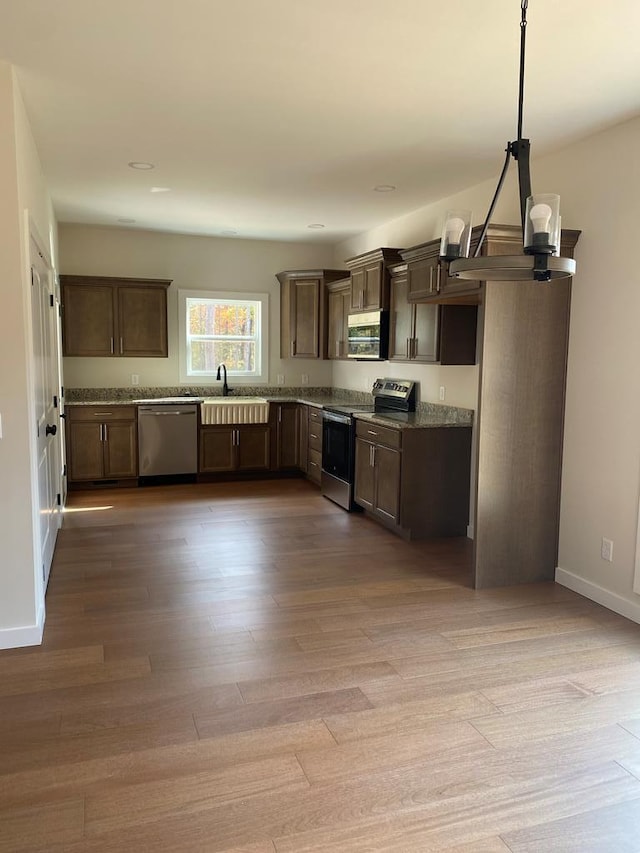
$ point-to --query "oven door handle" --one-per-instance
(332, 416)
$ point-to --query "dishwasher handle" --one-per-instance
(166, 410)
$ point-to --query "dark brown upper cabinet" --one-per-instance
(370, 279)
(114, 317)
(427, 332)
(303, 312)
(339, 305)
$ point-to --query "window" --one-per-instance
(227, 328)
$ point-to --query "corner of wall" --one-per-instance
(24, 635)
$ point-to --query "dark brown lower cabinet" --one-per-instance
(414, 480)
(285, 436)
(101, 443)
(234, 448)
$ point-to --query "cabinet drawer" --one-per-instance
(379, 435)
(315, 466)
(101, 414)
(315, 416)
(315, 437)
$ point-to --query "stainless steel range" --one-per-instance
(339, 436)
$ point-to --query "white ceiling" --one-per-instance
(264, 116)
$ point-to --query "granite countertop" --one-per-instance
(319, 401)
(428, 414)
(423, 419)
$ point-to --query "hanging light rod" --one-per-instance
(540, 216)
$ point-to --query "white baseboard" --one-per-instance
(27, 635)
(599, 594)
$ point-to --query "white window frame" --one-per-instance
(261, 375)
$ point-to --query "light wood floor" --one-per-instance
(246, 667)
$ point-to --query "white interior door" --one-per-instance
(43, 309)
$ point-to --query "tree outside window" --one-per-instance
(223, 331)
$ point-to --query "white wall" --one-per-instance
(22, 188)
(193, 263)
(599, 181)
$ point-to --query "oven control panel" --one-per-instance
(398, 388)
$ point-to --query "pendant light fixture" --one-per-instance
(540, 216)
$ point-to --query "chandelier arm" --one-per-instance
(494, 201)
(520, 151)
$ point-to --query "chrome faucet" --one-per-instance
(225, 388)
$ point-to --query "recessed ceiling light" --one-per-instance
(160, 189)
(316, 225)
(384, 188)
(135, 164)
(228, 233)
(126, 221)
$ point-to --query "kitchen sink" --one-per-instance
(234, 410)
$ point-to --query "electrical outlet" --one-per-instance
(280, 379)
(606, 550)
(305, 379)
(135, 379)
(443, 392)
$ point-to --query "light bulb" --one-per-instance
(454, 228)
(540, 215)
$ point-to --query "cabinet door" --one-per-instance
(252, 447)
(387, 477)
(423, 278)
(400, 320)
(335, 323)
(305, 314)
(85, 451)
(372, 299)
(88, 317)
(346, 306)
(425, 340)
(142, 321)
(365, 484)
(357, 289)
(286, 436)
(120, 449)
(217, 449)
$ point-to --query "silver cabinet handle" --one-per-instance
(408, 353)
(121, 346)
(279, 414)
(312, 435)
(106, 432)
(102, 414)
(371, 432)
(111, 345)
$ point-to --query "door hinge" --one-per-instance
(59, 499)
(51, 300)
(32, 277)
(64, 470)
(55, 402)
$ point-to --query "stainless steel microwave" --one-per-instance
(368, 336)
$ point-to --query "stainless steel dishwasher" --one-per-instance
(167, 439)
